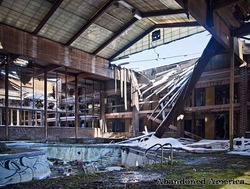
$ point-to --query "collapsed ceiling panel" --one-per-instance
(125, 37)
(167, 35)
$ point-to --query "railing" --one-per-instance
(155, 152)
(104, 149)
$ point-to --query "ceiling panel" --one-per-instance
(126, 37)
(114, 18)
(92, 38)
(63, 25)
(25, 14)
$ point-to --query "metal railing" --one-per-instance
(155, 153)
(104, 149)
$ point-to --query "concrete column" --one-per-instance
(180, 128)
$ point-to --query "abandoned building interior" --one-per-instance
(57, 79)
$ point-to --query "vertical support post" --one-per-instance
(121, 82)
(1, 116)
(162, 154)
(76, 107)
(135, 115)
(45, 103)
(66, 96)
(115, 72)
(29, 117)
(17, 117)
(58, 97)
(35, 118)
(103, 125)
(180, 127)
(7, 100)
(125, 90)
(11, 117)
(231, 110)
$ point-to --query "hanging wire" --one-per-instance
(164, 58)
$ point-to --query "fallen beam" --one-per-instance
(191, 135)
(213, 48)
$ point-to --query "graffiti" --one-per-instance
(23, 169)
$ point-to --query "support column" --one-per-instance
(76, 107)
(35, 121)
(103, 126)
(7, 101)
(231, 109)
(193, 127)
(29, 117)
(243, 100)
(45, 104)
(180, 126)
(11, 117)
(1, 117)
(135, 115)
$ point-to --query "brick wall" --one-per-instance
(243, 100)
(38, 133)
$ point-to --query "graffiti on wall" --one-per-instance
(23, 169)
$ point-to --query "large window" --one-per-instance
(200, 97)
(222, 94)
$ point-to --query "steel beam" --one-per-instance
(97, 15)
(169, 25)
(47, 17)
(198, 10)
(212, 48)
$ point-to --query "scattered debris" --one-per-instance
(241, 145)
